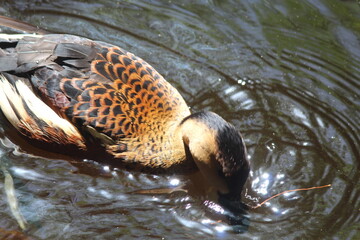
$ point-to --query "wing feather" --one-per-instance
(102, 89)
(138, 98)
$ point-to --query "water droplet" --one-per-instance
(271, 146)
(242, 82)
(284, 212)
(275, 209)
(221, 228)
(106, 194)
(280, 175)
(130, 176)
(206, 221)
(174, 182)
(265, 176)
(263, 187)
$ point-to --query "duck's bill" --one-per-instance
(233, 212)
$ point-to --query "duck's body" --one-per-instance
(97, 90)
(72, 91)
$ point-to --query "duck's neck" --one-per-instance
(175, 151)
(201, 148)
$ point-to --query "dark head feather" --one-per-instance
(231, 151)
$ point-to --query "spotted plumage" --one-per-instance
(116, 97)
(66, 90)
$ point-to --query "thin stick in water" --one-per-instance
(293, 190)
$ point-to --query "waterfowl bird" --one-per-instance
(69, 91)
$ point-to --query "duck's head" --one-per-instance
(219, 152)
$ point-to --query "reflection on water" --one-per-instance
(285, 73)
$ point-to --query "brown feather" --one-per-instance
(111, 91)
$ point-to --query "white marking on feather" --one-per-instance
(7, 92)
(9, 37)
(12, 100)
(43, 111)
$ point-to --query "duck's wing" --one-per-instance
(19, 102)
(101, 89)
(32, 117)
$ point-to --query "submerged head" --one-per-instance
(219, 152)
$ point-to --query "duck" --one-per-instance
(71, 92)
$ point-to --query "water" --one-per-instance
(285, 73)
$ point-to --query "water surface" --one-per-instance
(285, 73)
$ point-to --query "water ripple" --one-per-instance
(285, 73)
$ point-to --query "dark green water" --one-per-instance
(285, 73)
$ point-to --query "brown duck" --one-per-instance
(73, 92)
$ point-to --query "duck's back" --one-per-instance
(103, 90)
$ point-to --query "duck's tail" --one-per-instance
(20, 26)
(32, 117)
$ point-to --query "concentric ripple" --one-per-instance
(285, 73)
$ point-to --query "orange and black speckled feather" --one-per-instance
(110, 93)
(137, 98)
(138, 107)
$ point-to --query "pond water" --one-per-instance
(285, 73)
